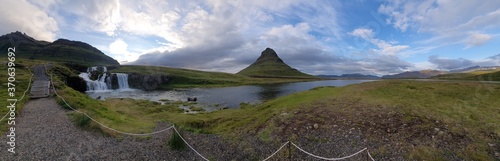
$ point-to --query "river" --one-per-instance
(231, 97)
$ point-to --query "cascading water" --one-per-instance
(104, 81)
(122, 80)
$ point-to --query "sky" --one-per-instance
(375, 37)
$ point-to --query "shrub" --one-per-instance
(176, 143)
(81, 120)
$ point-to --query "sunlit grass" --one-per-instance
(23, 76)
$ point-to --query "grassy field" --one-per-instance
(424, 119)
(185, 78)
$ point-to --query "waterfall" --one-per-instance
(122, 80)
(104, 80)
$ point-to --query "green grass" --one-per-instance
(61, 50)
(176, 143)
(185, 78)
(272, 69)
(21, 84)
(482, 75)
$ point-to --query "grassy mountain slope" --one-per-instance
(185, 78)
(414, 74)
(481, 75)
(62, 50)
(270, 65)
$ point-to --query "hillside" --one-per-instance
(350, 76)
(480, 75)
(186, 78)
(423, 74)
(62, 50)
(270, 65)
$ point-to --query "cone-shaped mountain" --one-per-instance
(270, 65)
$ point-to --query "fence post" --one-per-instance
(367, 157)
(289, 151)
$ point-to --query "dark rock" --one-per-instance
(114, 81)
(76, 83)
(146, 81)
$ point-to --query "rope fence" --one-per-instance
(324, 158)
(189, 145)
(27, 88)
(198, 153)
(269, 157)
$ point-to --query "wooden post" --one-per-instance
(289, 151)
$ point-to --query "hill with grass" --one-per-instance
(350, 76)
(270, 65)
(187, 78)
(423, 74)
(480, 75)
(61, 50)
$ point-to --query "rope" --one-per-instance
(107, 127)
(370, 155)
(319, 157)
(189, 145)
(269, 157)
(175, 129)
(29, 85)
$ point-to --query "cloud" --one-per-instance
(384, 47)
(440, 19)
(447, 63)
(119, 50)
(364, 33)
(20, 15)
(477, 39)
(227, 36)
(457, 63)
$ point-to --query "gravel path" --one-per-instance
(44, 132)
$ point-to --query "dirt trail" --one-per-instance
(44, 132)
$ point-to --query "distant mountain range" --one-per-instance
(269, 64)
(474, 68)
(414, 74)
(62, 50)
(350, 76)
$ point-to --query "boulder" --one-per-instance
(76, 83)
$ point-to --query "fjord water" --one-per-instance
(214, 98)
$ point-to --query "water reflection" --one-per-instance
(270, 91)
(215, 98)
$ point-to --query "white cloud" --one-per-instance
(383, 46)
(448, 21)
(20, 15)
(119, 51)
(457, 63)
(363, 33)
(477, 39)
